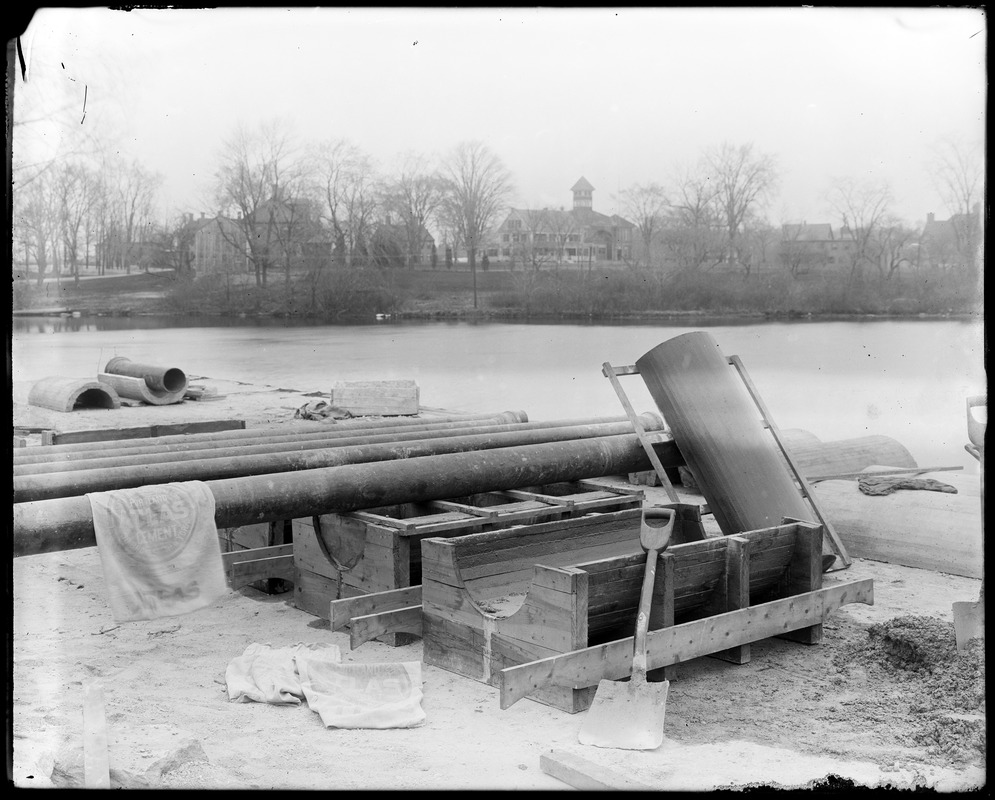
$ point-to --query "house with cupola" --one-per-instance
(533, 237)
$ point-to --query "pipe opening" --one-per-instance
(173, 380)
(93, 398)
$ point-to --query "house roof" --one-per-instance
(582, 186)
(553, 220)
(805, 232)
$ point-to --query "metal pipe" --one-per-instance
(183, 451)
(67, 523)
(158, 379)
(67, 484)
(33, 455)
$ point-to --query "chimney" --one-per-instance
(202, 215)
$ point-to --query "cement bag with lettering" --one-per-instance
(159, 549)
(363, 695)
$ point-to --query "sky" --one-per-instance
(619, 96)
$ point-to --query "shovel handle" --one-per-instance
(643, 616)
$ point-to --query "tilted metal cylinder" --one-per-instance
(158, 379)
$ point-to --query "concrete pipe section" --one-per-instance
(161, 380)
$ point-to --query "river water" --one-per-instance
(906, 379)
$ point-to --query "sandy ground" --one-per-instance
(877, 703)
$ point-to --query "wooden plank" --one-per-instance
(235, 556)
(452, 647)
(609, 372)
(397, 620)
(507, 652)
(804, 574)
(737, 591)
(341, 612)
(613, 661)
(241, 573)
(96, 764)
(580, 773)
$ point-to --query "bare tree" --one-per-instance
(645, 205)
(691, 232)
(414, 195)
(257, 169)
(135, 191)
(36, 218)
(535, 237)
(347, 182)
(743, 180)
(894, 247)
(75, 193)
(477, 187)
(863, 209)
(563, 229)
(957, 170)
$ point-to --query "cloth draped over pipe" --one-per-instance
(159, 549)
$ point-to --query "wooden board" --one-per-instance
(142, 432)
(567, 601)
(580, 773)
(376, 398)
(613, 660)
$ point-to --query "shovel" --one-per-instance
(969, 618)
(629, 714)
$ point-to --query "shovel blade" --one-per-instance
(969, 623)
(627, 715)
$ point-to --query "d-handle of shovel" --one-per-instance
(976, 427)
(654, 535)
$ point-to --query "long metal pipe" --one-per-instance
(31, 455)
(62, 484)
(185, 452)
(45, 455)
(67, 523)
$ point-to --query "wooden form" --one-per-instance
(494, 601)
(345, 555)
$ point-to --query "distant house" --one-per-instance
(580, 235)
(390, 246)
(219, 246)
(948, 243)
(806, 246)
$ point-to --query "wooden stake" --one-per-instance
(96, 767)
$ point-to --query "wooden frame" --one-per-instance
(338, 556)
(571, 602)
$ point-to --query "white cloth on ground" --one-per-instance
(159, 549)
(363, 695)
(265, 674)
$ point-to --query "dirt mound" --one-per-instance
(915, 662)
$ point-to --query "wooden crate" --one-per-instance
(492, 601)
(364, 552)
(256, 543)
